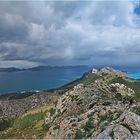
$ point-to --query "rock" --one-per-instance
(105, 134)
(95, 71)
(122, 89)
(121, 132)
(131, 120)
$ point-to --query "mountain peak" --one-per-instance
(107, 71)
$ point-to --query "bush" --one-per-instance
(137, 110)
(89, 125)
(79, 134)
(46, 127)
(103, 126)
(90, 115)
(5, 123)
(108, 117)
(107, 103)
(56, 127)
(52, 111)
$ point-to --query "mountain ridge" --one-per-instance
(102, 104)
(37, 68)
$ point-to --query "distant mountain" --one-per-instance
(52, 67)
(10, 69)
(38, 68)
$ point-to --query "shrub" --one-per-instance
(90, 115)
(46, 127)
(56, 127)
(74, 124)
(103, 126)
(88, 126)
(79, 134)
(5, 123)
(108, 117)
(118, 96)
(106, 103)
(52, 111)
(137, 110)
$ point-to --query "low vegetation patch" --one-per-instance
(106, 117)
(105, 120)
(5, 123)
(137, 110)
(79, 134)
(28, 121)
(46, 127)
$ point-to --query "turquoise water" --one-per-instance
(134, 75)
(46, 79)
(131, 72)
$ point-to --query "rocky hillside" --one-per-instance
(100, 109)
(103, 104)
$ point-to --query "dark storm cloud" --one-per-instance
(67, 33)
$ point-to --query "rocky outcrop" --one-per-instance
(98, 110)
(107, 71)
(127, 126)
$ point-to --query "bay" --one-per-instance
(39, 80)
(47, 79)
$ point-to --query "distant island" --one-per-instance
(38, 68)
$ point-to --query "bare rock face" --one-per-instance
(126, 127)
(121, 132)
(132, 121)
(122, 89)
(107, 71)
(115, 132)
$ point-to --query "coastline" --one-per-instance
(26, 93)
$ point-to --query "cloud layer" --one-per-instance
(69, 33)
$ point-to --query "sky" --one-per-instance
(69, 33)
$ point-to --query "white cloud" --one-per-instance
(69, 33)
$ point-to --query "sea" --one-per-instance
(21, 81)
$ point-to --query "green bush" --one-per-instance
(46, 127)
(137, 110)
(5, 123)
(52, 111)
(88, 126)
(90, 115)
(108, 117)
(103, 126)
(79, 134)
(118, 96)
